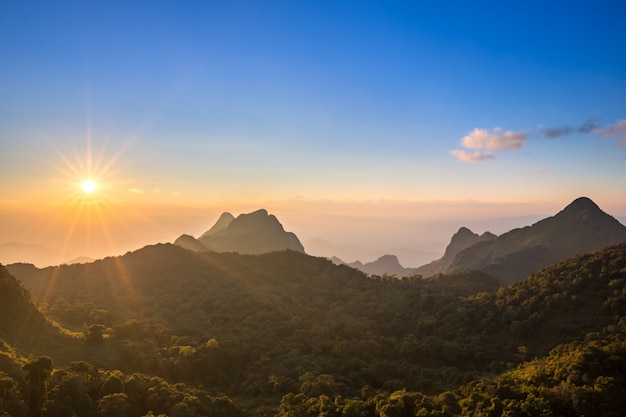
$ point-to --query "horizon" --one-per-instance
(376, 127)
(415, 241)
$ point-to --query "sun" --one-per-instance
(89, 186)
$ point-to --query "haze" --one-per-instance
(366, 128)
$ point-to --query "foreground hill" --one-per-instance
(253, 233)
(259, 328)
(582, 227)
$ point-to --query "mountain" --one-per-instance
(462, 239)
(252, 233)
(80, 260)
(385, 265)
(190, 243)
(581, 227)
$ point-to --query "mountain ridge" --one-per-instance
(581, 227)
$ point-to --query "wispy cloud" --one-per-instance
(589, 126)
(616, 129)
(485, 142)
(475, 156)
(555, 132)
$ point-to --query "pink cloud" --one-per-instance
(616, 129)
(484, 142)
(496, 140)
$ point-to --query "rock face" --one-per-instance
(581, 227)
(252, 233)
(462, 239)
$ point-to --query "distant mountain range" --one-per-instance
(581, 227)
(253, 233)
(385, 265)
(11, 252)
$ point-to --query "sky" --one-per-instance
(369, 126)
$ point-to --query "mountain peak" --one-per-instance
(581, 227)
(463, 238)
(222, 223)
(580, 205)
(463, 231)
(385, 265)
(251, 233)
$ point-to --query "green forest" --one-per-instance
(166, 331)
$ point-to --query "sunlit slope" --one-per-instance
(26, 328)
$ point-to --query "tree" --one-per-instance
(113, 405)
(37, 373)
(95, 333)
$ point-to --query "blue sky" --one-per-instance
(216, 103)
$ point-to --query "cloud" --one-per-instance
(616, 129)
(485, 142)
(476, 156)
(481, 144)
(589, 126)
(555, 132)
(497, 140)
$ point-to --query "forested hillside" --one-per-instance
(289, 334)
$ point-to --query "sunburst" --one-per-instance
(89, 202)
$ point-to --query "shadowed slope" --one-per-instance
(582, 227)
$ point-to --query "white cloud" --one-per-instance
(496, 140)
(475, 156)
(485, 142)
